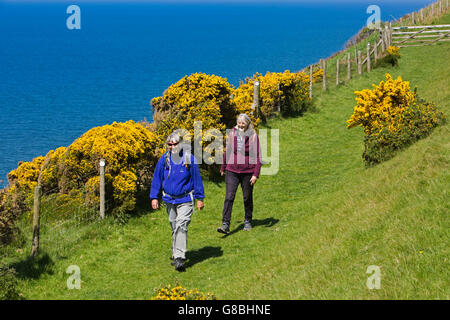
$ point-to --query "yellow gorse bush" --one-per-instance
(278, 91)
(198, 97)
(317, 75)
(195, 98)
(393, 117)
(122, 145)
(382, 107)
(180, 293)
(125, 186)
(130, 151)
(26, 175)
(52, 168)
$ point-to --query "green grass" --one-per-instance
(319, 223)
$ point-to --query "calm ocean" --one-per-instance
(55, 83)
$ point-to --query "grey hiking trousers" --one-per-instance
(179, 218)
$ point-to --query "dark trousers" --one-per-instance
(232, 181)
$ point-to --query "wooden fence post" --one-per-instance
(102, 188)
(390, 34)
(375, 52)
(368, 57)
(36, 219)
(324, 78)
(385, 38)
(256, 104)
(349, 67)
(359, 62)
(310, 80)
(337, 71)
(383, 45)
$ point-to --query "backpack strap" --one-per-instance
(168, 165)
(167, 162)
(186, 160)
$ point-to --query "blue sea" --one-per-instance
(56, 83)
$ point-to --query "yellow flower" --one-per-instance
(382, 107)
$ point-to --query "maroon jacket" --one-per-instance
(243, 152)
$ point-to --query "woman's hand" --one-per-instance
(200, 205)
(155, 204)
(253, 180)
(222, 173)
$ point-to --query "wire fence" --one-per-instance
(349, 64)
(56, 217)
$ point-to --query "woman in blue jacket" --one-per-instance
(177, 178)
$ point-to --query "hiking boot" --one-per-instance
(179, 264)
(225, 228)
(247, 226)
(173, 261)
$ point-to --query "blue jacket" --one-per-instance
(181, 181)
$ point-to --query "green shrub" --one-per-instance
(13, 202)
(419, 120)
(8, 284)
(389, 58)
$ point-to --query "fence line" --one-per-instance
(425, 35)
(37, 207)
(401, 36)
(372, 54)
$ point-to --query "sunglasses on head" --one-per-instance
(172, 144)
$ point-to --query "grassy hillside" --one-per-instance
(318, 224)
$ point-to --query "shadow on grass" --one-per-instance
(268, 222)
(195, 256)
(33, 268)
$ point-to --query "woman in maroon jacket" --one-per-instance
(241, 165)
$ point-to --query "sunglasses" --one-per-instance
(172, 144)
